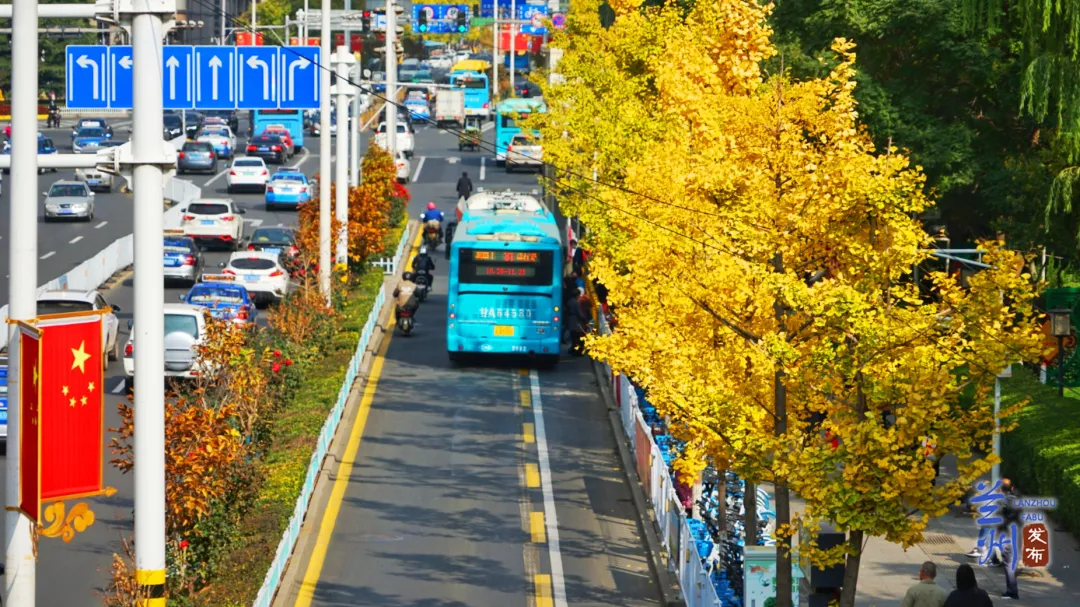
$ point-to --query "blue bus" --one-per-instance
(293, 120)
(477, 93)
(505, 286)
(507, 115)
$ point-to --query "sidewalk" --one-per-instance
(887, 570)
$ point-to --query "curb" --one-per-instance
(670, 592)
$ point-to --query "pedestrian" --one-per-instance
(967, 593)
(578, 323)
(926, 593)
(1011, 517)
(464, 186)
(577, 258)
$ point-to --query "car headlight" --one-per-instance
(51, 207)
(79, 206)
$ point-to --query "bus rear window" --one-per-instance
(508, 121)
(501, 267)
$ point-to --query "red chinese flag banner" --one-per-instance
(29, 340)
(72, 406)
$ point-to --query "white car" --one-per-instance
(405, 141)
(259, 272)
(185, 327)
(404, 167)
(63, 302)
(95, 179)
(249, 172)
(216, 220)
(220, 137)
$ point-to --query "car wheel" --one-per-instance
(229, 189)
(129, 384)
(114, 353)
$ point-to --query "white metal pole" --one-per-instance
(513, 42)
(496, 60)
(995, 472)
(149, 330)
(341, 205)
(224, 13)
(391, 78)
(20, 572)
(307, 15)
(254, 23)
(354, 130)
(324, 156)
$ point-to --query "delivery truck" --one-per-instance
(450, 106)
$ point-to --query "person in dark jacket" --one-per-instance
(578, 323)
(1010, 515)
(464, 186)
(967, 593)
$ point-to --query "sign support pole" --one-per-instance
(324, 157)
(147, 160)
(513, 43)
(496, 61)
(343, 63)
(391, 78)
(354, 131)
(21, 564)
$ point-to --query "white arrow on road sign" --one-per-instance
(215, 65)
(85, 62)
(301, 63)
(126, 63)
(172, 63)
(255, 63)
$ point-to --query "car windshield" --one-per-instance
(288, 177)
(207, 295)
(173, 122)
(91, 132)
(67, 189)
(202, 208)
(62, 306)
(248, 162)
(273, 236)
(266, 139)
(194, 146)
(45, 144)
(182, 323)
(252, 263)
(173, 245)
(89, 123)
(524, 140)
(215, 133)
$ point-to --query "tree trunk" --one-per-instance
(695, 498)
(851, 568)
(750, 514)
(721, 499)
(783, 513)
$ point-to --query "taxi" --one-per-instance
(183, 260)
(88, 139)
(287, 187)
(261, 273)
(91, 123)
(220, 137)
(45, 146)
(418, 108)
(223, 299)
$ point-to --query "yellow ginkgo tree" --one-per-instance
(760, 255)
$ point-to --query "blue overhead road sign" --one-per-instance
(176, 89)
(258, 85)
(202, 77)
(87, 76)
(300, 77)
(215, 69)
(120, 87)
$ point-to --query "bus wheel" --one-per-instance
(456, 359)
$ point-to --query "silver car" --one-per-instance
(69, 200)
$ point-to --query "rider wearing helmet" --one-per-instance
(423, 265)
(405, 294)
(433, 218)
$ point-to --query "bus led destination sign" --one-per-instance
(505, 256)
(506, 271)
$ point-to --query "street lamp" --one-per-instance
(1060, 328)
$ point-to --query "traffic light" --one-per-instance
(462, 22)
(365, 22)
(421, 20)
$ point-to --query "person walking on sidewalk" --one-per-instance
(967, 593)
(1011, 516)
(926, 593)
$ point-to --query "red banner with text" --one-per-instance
(29, 343)
(72, 405)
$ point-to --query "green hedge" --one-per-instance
(1042, 454)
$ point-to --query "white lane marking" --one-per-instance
(419, 166)
(48, 255)
(483, 167)
(101, 225)
(558, 585)
(119, 387)
(487, 127)
(74, 240)
(254, 222)
(216, 177)
(304, 153)
(453, 160)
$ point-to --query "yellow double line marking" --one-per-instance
(542, 584)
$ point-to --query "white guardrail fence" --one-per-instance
(681, 553)
(93, 272)
(326, 436)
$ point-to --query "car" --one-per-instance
(3, 398)
(196, 156)
(261, 273)
(231, 118)
(404, 166)
(173, 126)
(279, 129)
(64, 302)
(220, 137)
(524, 151)
(214, 220)
(193, 123)
(280, 241)
(247, 173)
(405, 141)
(185, 328)
(526, 90)
(287, 188)
(271, 148)
(45, 146)
(183, 260)
(223, 298)
(378, 80)
(69, 200)
(96, 180)
(95, 123)
(88, 139)
(419, 109)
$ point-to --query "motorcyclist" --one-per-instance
(433, 218)
(464, 186)
(405, 295)
(54, 113)
(424, 264)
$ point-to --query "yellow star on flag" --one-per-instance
(83, 401)
(90, 387)
(36, 374)
(72, 401)
(65, 390)
(80, 357)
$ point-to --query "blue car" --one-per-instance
(287, 188)
(89, 139)
(45, 146)
(3, 399)
(224, 299)
(419, 109)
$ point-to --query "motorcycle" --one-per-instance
(54, 119)
(404, 321)
(423, 285)
(431, 237)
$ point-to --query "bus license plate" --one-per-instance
(504, 331)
